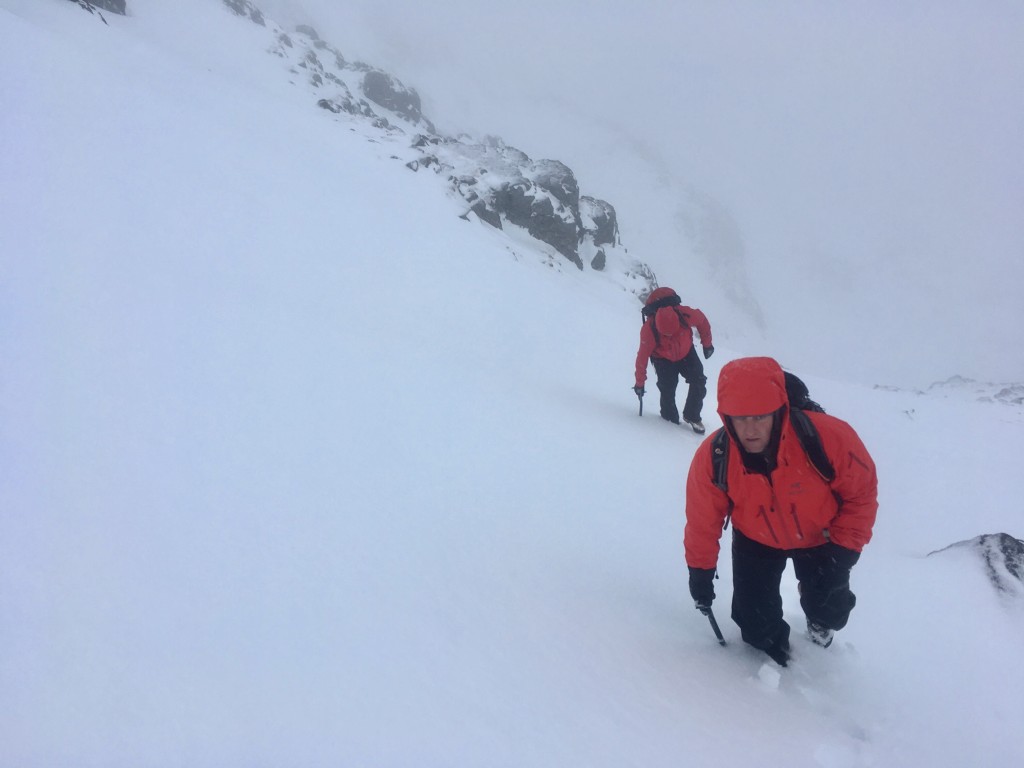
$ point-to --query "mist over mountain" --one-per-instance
(864, 157)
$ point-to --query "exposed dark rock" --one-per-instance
(381, 88)
(1003, 556)
(114, 6)
(1012, 394)
(308, 31)
(347, 105)
(422, 140)
(486, 214)
(514, 202)
(479, 204)
(310, 61)
(525, 203)
(540, 196)
(246, 8)
(599, 220)
(982, 391)
(316, 69)
(558, 179)
(95, 6)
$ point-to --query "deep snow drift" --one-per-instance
(302, 469)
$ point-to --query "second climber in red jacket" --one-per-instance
(782, 508)
(666, 340)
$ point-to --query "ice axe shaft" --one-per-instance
(714, 624)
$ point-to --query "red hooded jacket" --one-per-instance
(793, 506)
(674, 338)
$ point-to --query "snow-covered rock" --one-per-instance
(500, 185)
(1003, 558)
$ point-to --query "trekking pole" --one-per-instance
(640, 397)
(706, 610)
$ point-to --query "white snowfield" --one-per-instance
(301, 469)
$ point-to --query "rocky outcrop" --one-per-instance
(113, 6)
(246, 8)
(544, 200)
(983, 392)
(502, 186)
(308, 31)
(599, 221)
(600, 228)
(386, 91)
(499, 184)
(1003, 558)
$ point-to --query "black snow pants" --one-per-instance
(823, 574)
(692, 371)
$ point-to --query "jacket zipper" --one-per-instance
(782, 520)
(764, 515)
(796, 522)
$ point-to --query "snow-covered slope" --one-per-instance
(300, 468)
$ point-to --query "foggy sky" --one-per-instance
(872, 148)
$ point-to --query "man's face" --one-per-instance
(754, 432)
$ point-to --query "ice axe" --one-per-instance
(706, 610)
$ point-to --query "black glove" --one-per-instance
(841, 556)
(702, 587)
(708, 351)
(639, 391)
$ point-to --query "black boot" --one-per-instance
(779, 652)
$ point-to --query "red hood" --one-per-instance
(666, 320)
(751, 386)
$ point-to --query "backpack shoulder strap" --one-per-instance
(720, 467)
(811, 442)
(684, 318)
(654, 331)
(720, 459)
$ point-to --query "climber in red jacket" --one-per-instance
(666, 339)
(781, 506)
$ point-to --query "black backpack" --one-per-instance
(799, 403)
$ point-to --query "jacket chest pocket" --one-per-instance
(808, 508)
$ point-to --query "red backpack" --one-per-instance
(658, 298)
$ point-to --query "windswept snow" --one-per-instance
(300, 468)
